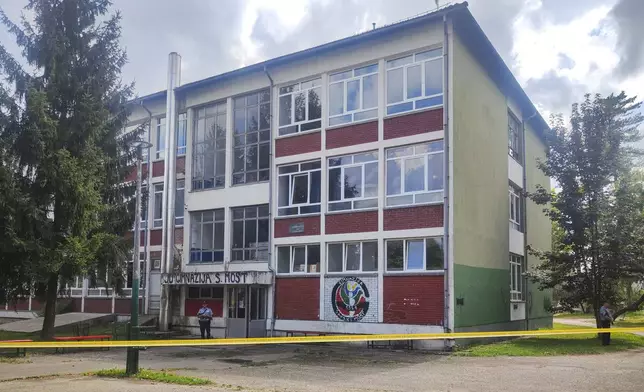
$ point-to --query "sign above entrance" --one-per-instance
(210, 278)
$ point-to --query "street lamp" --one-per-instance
(132, 361)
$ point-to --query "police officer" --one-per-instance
(205, 316)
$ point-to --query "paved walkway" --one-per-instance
(35, 324)
(583, 323)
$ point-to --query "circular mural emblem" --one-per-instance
(350, 299)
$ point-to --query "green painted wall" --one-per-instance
(485, 293)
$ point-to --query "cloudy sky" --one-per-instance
(557, 49)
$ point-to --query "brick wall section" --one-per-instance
(156, 237)
(155, 255)
(157, 169)
(123, 305)
(352, 135)
(414, 299)
(180, 166)
(413, 217)
(98, 305)
(132, 175)
(353, 222)
(130, 237)
(414, 124)
(311, 226)
(178, 236)
(308, 142)
(297, 298)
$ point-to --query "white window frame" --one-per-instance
(161, 129)
(213, 222)
(158, 222)
(315, 83)
(352, 164)
(291, 259)
(403, 158)
(517, 273)
(180, 187)
(345, 245)
(291, 187)
(182, 128)
(261, 251)
(405, 268)
(215, 143)
(516, 208)
(361, 108)
(413, 100)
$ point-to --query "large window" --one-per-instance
(158, 205)
(415, 174)
(516, 207)
(516, 277)
(300, 108)
(514, 137)
(418, 254)
(352, 257)
(160, 138)
(252, 142)
(353, 95)
(182, 133)
(250, 233)
(353, 181)
(298, 190)
(300, 259)
(415, 81)
(144, 205)
(207, 236)
(179, 202)
(209, 152)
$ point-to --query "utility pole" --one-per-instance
(132, 361)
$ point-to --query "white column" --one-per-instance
(382, 182)
(324, 192)
(84, 294)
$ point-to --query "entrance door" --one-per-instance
(246, 312)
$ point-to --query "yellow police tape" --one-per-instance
(309, 339)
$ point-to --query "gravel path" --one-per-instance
(335, 368)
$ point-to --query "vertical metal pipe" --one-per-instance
(146, 301)
(270, 203)
(169, 183)
(446, 173)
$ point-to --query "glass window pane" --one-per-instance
(414, 81)
(335, 184)
(393, 177)
(402, 107)
(316, 189)
(353, 95)
(285, 110)
(238, 234)
(252, 119)
(433, 77)
(300, 189)
(371, 180)
(300, 106)
(264, 156)
(370, 91)
(315, 106)
(250, 234)
(434, 253)
(240, 121)
(283, 191)
(265, 116)
(262, 232)
(299, 259)
(400, 61)
(313, 261)
(366, 70)
(366, 115)
(239, 160)
(430, 54)
(414, 174)
(340, 76)
(415, 251)
(207, 241)
(395, 85)
(334, 258)
(336, 99)
(251, 158)
(395, 255)
(353, 257)
(352, 182)
(429, 102)
(435, 172)
(340, 120)
(370, 256)
(284, 259)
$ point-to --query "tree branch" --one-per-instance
(630, 308)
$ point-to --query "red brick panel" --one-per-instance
(37, 305)
(352, 135)
(419, 217)
(414, 299)
(181, 165)
(98, 305)
(178, 235)
(311, 226)
(156, 237)
(297, 298)
(353, 222)
(155, 255)
(308, 142)
(77, 304)
(123, 305)
(130, 236)
(132, 174)
(21, 304)
(157, 169)
(192, 306)
(414, 124)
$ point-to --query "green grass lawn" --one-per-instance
(555, 345)
(152, 375)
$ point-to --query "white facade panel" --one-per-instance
(517, 311)
(515, 172)
(517, 244)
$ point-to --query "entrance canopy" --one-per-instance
(214, 278)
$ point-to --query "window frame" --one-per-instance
(352, 113)
(161, 129)
(179, 220)
(129, 274)
(247, 134)
(352, 164)
(214, 223)
(298, 125)
(412, 101)
(517, 274)
(291, 187)
(200, 296)
(405, 269)
(403, 158)
(145, 203)
(292, 259)
(516, 207)
(244, 219)
(215, 146)
(157, 222)
(182, 134)
(515, 136)
(345, 245)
